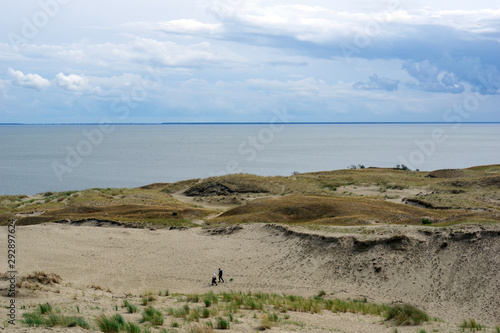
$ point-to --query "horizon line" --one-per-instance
(261, 123)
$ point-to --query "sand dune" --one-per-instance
(452, 273)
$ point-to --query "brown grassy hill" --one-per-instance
(351, 196)
(141, 206)
(327, 210)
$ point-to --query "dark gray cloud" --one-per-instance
(377, 83)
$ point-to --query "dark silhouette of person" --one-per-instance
(220, 276)
(214, 279)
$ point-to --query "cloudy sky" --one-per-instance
(73, 61)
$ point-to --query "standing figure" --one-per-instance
(214, 279)
(220, 276)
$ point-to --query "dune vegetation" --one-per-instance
(341, 197)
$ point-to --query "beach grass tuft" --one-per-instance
(130, 307)
(222, 323)
(44, 316)
(406, 314)
(112, 324)
(132, 328)
(471, 325)
(152, 315)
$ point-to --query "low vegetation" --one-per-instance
(470, 325)
(224, 310)
(44, 316)
(441, 196)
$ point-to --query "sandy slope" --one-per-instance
(452, 273)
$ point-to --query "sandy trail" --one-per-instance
(452, 273)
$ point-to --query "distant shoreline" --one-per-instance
(251, 123)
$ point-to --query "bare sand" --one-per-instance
(452, 273)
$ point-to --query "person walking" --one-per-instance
(214, 279)
(220, 276)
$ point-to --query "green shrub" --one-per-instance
(426, 221)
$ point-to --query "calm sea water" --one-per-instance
(36, 159)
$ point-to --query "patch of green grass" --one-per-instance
(406, 314)
(44, 308)
(222, 324)
(132, 328)
(152, 315)
(130, 307)
(44, 317)
(205, 313)
(112, 324)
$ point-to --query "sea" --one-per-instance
(41, 158)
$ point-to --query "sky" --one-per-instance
(153, 61)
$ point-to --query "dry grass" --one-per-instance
(459, 195)
(127, 205)
(298, 208)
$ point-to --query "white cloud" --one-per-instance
(138, 51)
(72, 82)
(101, 85)
(32, 81)
(182, 26)
(320, 25)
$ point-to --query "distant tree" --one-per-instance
(402, 167)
